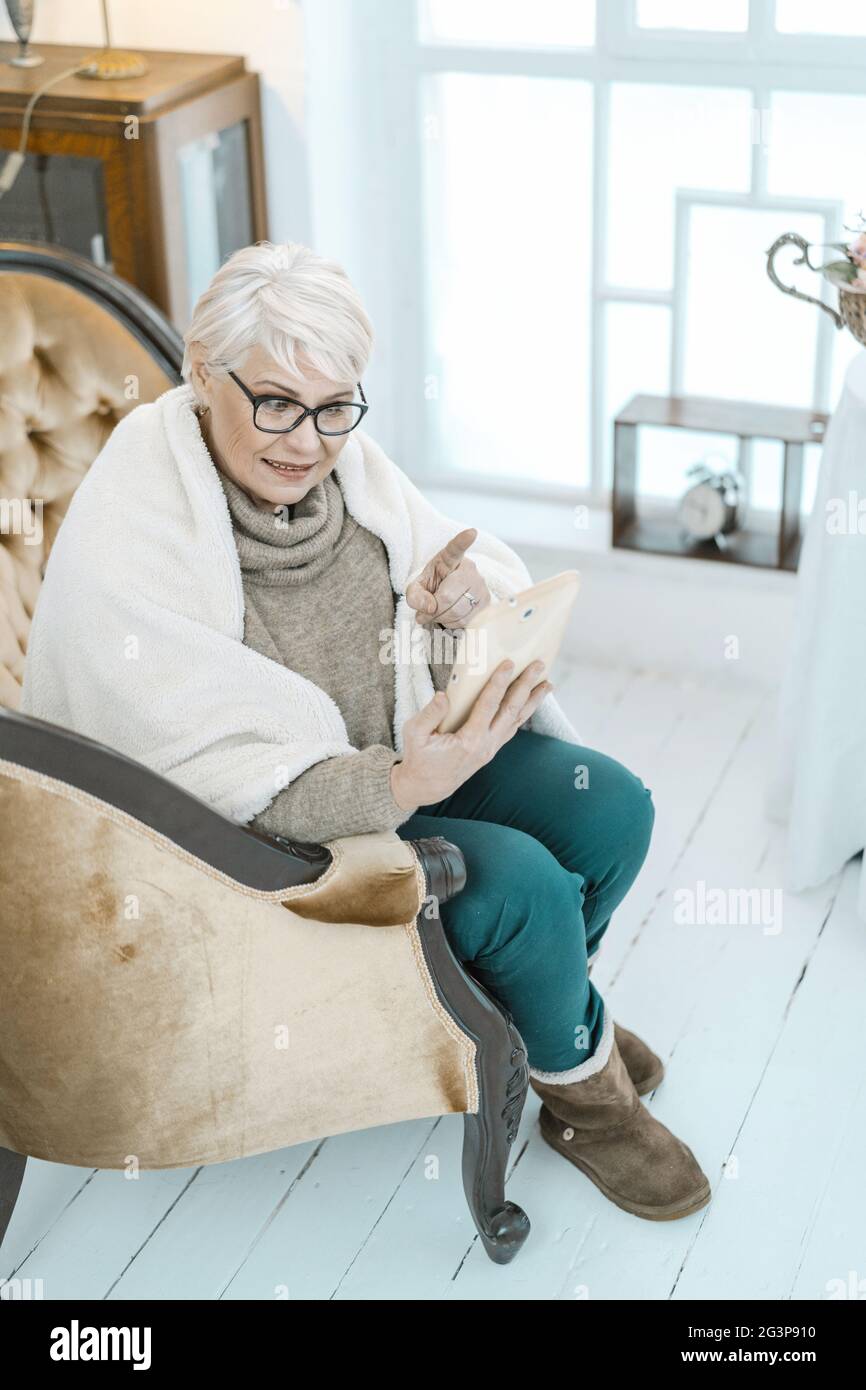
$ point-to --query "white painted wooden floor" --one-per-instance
(764, 1037)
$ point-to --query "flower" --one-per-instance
(857, 250)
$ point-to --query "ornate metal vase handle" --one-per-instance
(804, 245)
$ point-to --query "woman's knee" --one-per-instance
(625, 805)
(526, 893)
(638, 811)
(616, 809)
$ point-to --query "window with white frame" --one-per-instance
(599, 186)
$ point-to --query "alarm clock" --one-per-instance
(712, 507)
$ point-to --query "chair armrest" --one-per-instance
(373, 880)
(444, 866)
(376, 879)
(379, 880)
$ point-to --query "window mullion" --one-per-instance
(762, 25)
(614, 25)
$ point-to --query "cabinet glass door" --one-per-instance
(60, 199)
(217, 214)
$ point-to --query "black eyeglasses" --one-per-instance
(270, 413)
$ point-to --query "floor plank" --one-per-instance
(796, 1199)
(203, 1239)
(46, 1192)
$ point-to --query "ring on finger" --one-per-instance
(473, 603)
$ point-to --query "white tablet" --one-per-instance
(528, 627)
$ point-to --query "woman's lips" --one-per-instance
(290, 470)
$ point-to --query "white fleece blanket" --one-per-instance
(137, 640)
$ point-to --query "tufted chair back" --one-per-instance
(79, 348)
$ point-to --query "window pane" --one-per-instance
(508, 195)
(216, 201)
(638, 361)
(721, 16)
(662, 138)
(815, 149)
(510, 23)
(830, 17)
(744, 339)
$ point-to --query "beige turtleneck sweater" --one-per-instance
(317, 596)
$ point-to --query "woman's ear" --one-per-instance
(199, 374)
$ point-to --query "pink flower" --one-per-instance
(857, 250)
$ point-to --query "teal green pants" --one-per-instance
(553, 835)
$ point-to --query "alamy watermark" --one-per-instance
(420, 645)
(729, 907)
(851, 1287)
(846, 516)
(21, 1290)
(84, 1343)
(22, 516)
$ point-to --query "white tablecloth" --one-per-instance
(818, 781)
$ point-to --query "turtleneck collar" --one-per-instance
(292, 543)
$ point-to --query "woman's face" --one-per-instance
(273, 469)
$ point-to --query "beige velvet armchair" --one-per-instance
(176, 989)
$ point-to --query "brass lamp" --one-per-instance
(112, 62)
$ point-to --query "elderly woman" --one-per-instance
(228, 601)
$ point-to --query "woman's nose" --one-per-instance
(306, 436)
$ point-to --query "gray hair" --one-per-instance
(288, 300)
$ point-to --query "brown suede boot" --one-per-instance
(643, 1066)
(601, 1127)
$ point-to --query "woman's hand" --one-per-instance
(438, 595)
(434, 765)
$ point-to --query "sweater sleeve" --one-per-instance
(347, 795)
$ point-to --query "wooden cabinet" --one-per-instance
(159, 178)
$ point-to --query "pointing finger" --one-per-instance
(451, 554)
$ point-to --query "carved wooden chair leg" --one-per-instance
(503, 1072)
(11, 1176)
